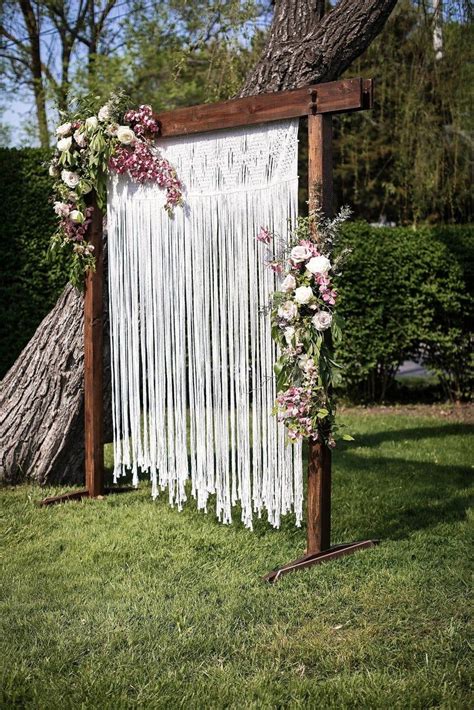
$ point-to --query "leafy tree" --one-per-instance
(40, 40)
(178, 53)
(410, 160)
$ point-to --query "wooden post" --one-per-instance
(93, 374)
(93, 361)
(318, 536)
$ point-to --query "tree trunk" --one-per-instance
(41, 402)
(306, 47)
(36, 70)
(42, 399)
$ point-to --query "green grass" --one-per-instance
(126, 603)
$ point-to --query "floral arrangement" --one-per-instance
(305, 326)
(90, 144)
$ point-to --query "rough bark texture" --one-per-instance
(304, 47)
(41, 400)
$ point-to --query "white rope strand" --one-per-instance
(191, 347)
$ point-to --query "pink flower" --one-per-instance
(264, 236)
(328, 295)
(276, 267)
(61, 209)
(142, 121)
(142, 165)
(310, 246)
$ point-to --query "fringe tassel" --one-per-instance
(192, 353)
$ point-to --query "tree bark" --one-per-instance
(41, 400)
(306, 47)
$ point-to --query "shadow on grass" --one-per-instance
(415, 433)
(397, 497)
(391, 498)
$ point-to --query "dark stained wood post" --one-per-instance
(320, 190)
(93, 360)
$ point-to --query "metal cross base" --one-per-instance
(83, 493)
(333, 553)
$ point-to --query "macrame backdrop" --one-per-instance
(192, 353)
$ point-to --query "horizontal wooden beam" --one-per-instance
(332, 97)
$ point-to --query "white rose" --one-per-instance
(306, 363)
(80, 139)
(125, 135)
(289, 283)
(64, 144)
(318, 265)
(61, 209)
(322, 320)
(299, 254)
(53, 171)
(112, 129)
(76, 216)
(64, 129)
(104, 113)
(91, 123)
(289, 334)
(70, 178)
(288, 310)
(303, 294)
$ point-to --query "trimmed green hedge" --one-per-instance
(404, 292)
(29, 283)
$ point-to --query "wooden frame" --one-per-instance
(333, 97)
(318, 102)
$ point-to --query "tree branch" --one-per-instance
(304, 47)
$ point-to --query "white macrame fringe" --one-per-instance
(192, 353)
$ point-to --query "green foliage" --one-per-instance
(410, 158)
(305, 370)
(176, 53)
(404, 294)
(29, 282)
(127, 603)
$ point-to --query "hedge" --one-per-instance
(29, 283)
(403, 292)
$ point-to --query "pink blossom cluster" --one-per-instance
(142, 165)
(142, 121)
(76, 231)
(311, 246)
(275, 266)
(328, 294)
(264, 236)
(294, 409)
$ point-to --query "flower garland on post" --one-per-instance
(90, 145)
(305, 326)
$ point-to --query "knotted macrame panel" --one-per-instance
(192, 353)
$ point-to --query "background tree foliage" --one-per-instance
(407, 161)
(410, 159)
(185, 53)
(406, 293)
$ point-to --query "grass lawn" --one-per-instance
(126, 603)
